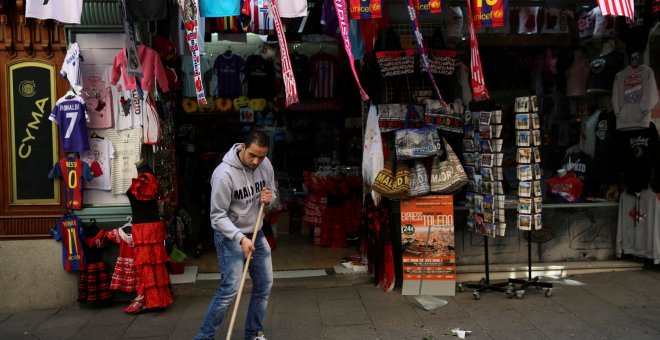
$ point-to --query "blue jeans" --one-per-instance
(232, 260)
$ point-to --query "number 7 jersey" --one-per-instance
(71, 117)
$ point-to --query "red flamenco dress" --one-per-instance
(149, 234)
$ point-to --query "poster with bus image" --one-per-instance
(427, 236)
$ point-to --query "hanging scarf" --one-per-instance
(412, 13)
(479, 89)
(290, 89)
(189, 18)
(133, 67)
(342, 16)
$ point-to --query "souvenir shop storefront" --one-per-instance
(397, 135)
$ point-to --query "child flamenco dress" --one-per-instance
(149, 252)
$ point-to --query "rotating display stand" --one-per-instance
(482, 148)
(528, 157)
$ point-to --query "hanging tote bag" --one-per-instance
(402, 176)
(447, 176)
(385, 181)
(419, 179)
(412, 143)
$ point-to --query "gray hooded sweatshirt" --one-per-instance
(236, 192)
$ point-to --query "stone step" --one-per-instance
(191, 283)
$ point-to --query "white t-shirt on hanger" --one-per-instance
(55, 9)
(101, 151)
(292, 8)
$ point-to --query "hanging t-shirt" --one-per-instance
(258, 12)
(53, 9)
(603, 70)
(260, 75)
(127, 145)
(604, 153)
(188, 76)
(639, 158)
(527, 20)
(69, 230)
(555, 21)
(98, 100)
(123, 110)
(329, 19)
(637, 227)
(585, 22)
(357, 44)
(565, 189)
(71, 67)
(101, 152)
(228, 68)
(577, 76)
(635, 94)
(603, 24)
(311, 23)
(292, 8)
(222, 25)
(71, 117)
(146, 10)
(219, 8)
(580, 164)
(73, 171)
(324, 73)
(300, 65)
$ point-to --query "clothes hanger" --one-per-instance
(94, 135)
(127, 227)
(228, 52)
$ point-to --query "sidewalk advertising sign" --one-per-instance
(427, 235)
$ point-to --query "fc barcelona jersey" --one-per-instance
(69, 230)
(73, 171)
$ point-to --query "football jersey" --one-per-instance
(73, 171)
(260, 75)
(329, 19)
(323, 73)
(52, 9)
(223, 25)
(71, 67)
(261, 21)
(219, 8)
(228, 68)
(100, 151)
(98, 101)
(71, 117)
(292, 8)
(69, 230)
(188, 76)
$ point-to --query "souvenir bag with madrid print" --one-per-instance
(479, 89)
(366, 9)
(189, 10)
(290, 90)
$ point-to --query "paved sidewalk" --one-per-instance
(615, 305)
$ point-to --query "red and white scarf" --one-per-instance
(290, 89)
(189, 10)
(342, 16)
(479, 90)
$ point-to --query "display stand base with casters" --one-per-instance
(484, 285)
(531, 281)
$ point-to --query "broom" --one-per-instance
(245, 269)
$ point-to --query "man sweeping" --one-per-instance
(240, 186)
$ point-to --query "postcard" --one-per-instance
(522, 138)
(522, 121)
(536, 123)
(525, 172)
(536, 137)
(487, 174)
(524, 156)
(524, 222)
(538, 224)
(525, 189)
(524, 205)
